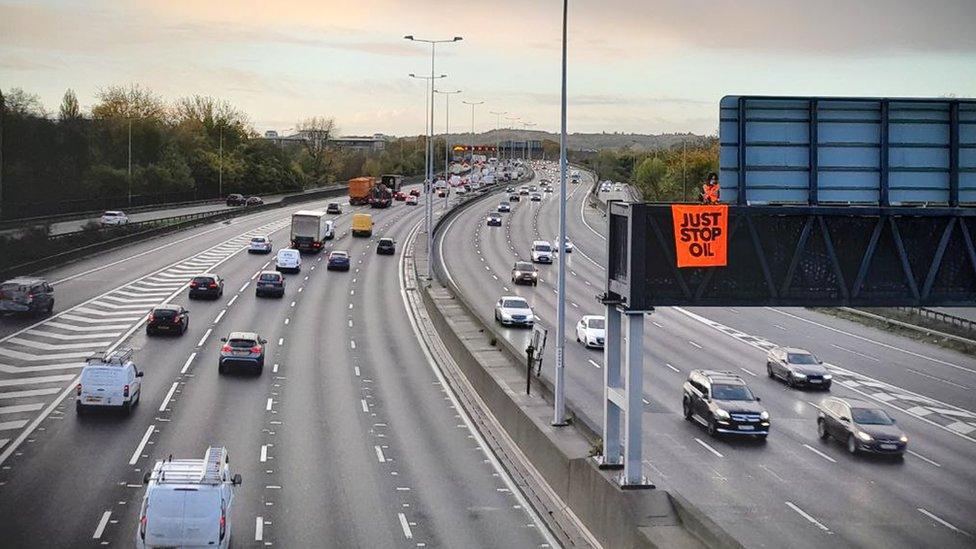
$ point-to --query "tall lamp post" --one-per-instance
(471, 144)
(498, 139)
(511, 152)
(447, 126)
(559, 402)
(526, 126)
(430, 153)
(130, 163)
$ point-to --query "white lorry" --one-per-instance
(309, 231)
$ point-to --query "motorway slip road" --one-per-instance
(793, 490)
(347, 439)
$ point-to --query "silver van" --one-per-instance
(26, 295)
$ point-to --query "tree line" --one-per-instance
(133, 142)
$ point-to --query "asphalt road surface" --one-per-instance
(794, 490)
(348, 439)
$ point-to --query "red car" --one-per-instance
(414, 192)
(399, 196)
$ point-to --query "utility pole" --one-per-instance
(473, 105)
(498, 138)
(526, 149)
(559, 389)
(130, 163)
(220, 177)
(447, 127)
(511, 148)
(3, 110)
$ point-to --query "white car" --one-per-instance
(113, 217)
(188, 502)
(569, 245)
(541, 252)
(460, 190)
(512, 310)
(259, 245)
(109, 380)
(288, 260)
(591, 330)
(411, 200)
(504, 207)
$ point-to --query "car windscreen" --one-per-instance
(386, 242)
(870, 416)
(731, 392)
(524, 267)
(802, 358)
(596, 323)
(542, 248)
(242, 343)
(270, 277)
(515, 304)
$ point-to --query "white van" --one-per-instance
(109, 380)
(542, 251)
(288, 260)
(188, 502)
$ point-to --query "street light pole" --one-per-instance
(498, 139)
(559, 400)
(130, 163)
(430, 156)
(526, 126)
(471, 144)
(220, 177)
(511, 153)
(447, 125)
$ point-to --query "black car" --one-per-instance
(235, 200)
(26, 295)
(862, 426)
(270, 283)
(386, 246)
(254, 201)
(333, 208)
(510, 189)
(494, 220)
(338, 261)
(723, 403)
(168, 319)
(514, 197)
(206, 285)
(798, 368)
(525, 273)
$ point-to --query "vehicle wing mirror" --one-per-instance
(224, 339)
(145, 477)
(140, 374)
(237, 480)
(758, 399)
(263, 341)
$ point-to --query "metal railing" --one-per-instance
(956, 321)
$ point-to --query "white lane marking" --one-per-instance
(267, 407)
(292, 303)
(255, 275)
(350, 323)
(356, 369)
(352, 292)
(142, 444)
(281, 341)
(244, 287)
(365, 405)
(350, 305)
(100, 529)
(32, 392)
(300, 289)
(923, 458)
(942, 522)
(379, 454)
(747, 371)
(204, 338)
(187, 363)
(805, 515)
(169, 395)
(258, 529)
(232, 300)
(264, 453)
(777, 326)
(220, 316)
(287, 320)
(709, 448)
(853, 352)
(693, 344)
(935, 378)
(274, 369)
(18, 408)
(819, 453)
(352, 344)
(405, 526)
(668, 364)
(595, 365)
(656, 324)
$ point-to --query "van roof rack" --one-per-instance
(209, 470)
(118, 357)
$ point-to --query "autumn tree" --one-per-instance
(69, 109)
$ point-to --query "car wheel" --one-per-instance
(50, 307)
(822, 430)
(259, 369)
(221, 368)
(127, 408)
(712, 428)
(79, 408)
(769, 370)
(852, 445)
(686, 408)
(789, 381)
(186, 326)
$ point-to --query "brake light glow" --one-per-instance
(78, 389)
(193, 284)
(142, 526)
(213, 284)
(223, 525)
(152, 317)
(256, 349)
(226, 349)
(125, 391)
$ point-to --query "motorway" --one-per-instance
(794, 490)
(348, 439)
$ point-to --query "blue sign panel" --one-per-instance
(859, 151)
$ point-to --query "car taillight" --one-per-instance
(316, 244)
(142, 526)
(256, 349)
(152, 317)
(125, 391)
(213, 284)
(193, 284)
(30, 297)
(78, 389)
(223, 525)
(226, 349)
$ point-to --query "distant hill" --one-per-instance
(584, 141)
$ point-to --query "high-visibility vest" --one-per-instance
(710, 193)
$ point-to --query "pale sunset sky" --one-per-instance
(635, 65)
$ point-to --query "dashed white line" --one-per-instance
(379, 454)
(258, 529)
(232, 300)
(350, 306)
(819, 453)
(709, 448)
(287, 320)
(169, 395)
(267, 407)
(923, 458)
(594, 363)
(220, 315)
(693, 344)
(244, 287)
(101, 525)
(853, 352)
(356, 369)
(364, 404)
(292, 304)
(142, 444)
(672, 367)
(942, 522)
(352, 344)
(281, 341)
(350, 323)
(804, 514)
(204, 338)
(747, 371)
(264, 453)
(186, 365)
(405, 525)
(656, 324)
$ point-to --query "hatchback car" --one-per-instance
(259, 245)
(206, 285)
(524, 272)
(512, 310)
(168, 319)
(494, 220)
(414, 192)
(504, 207)
(235, 199)
(514, 197)
(568, 245)
(591, 331)
(113, 218)
(536, 197)
(270, 283)
(724, 404)
(338, 261)
(411, 200)
(862, 426)
(253, 201)
(333, 208)
(524, 191)
(798, 368)
(399, 196)
(510, 189)
(386, 246)
(242, 349)
(26, 295)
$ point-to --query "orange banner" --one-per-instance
(701, 234)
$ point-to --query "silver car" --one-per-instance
(798, 368)
(512, 310)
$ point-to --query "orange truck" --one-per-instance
(359, 188)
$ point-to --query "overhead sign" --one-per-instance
(701, 234)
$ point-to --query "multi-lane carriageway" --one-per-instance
(794, 490)
(349, 439)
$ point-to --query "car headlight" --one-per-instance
(764, 415)
(798, 375)
(518, 273)
(903, 438)
(828, 376)
(722, 414)
(864, 436)
(535, 275)
(506, 316)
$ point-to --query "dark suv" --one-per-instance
(235, 200)
(723, 403)
(386, 246)
(525, 273)
(26, 295)
(207, 285)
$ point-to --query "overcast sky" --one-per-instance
(635, 65)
